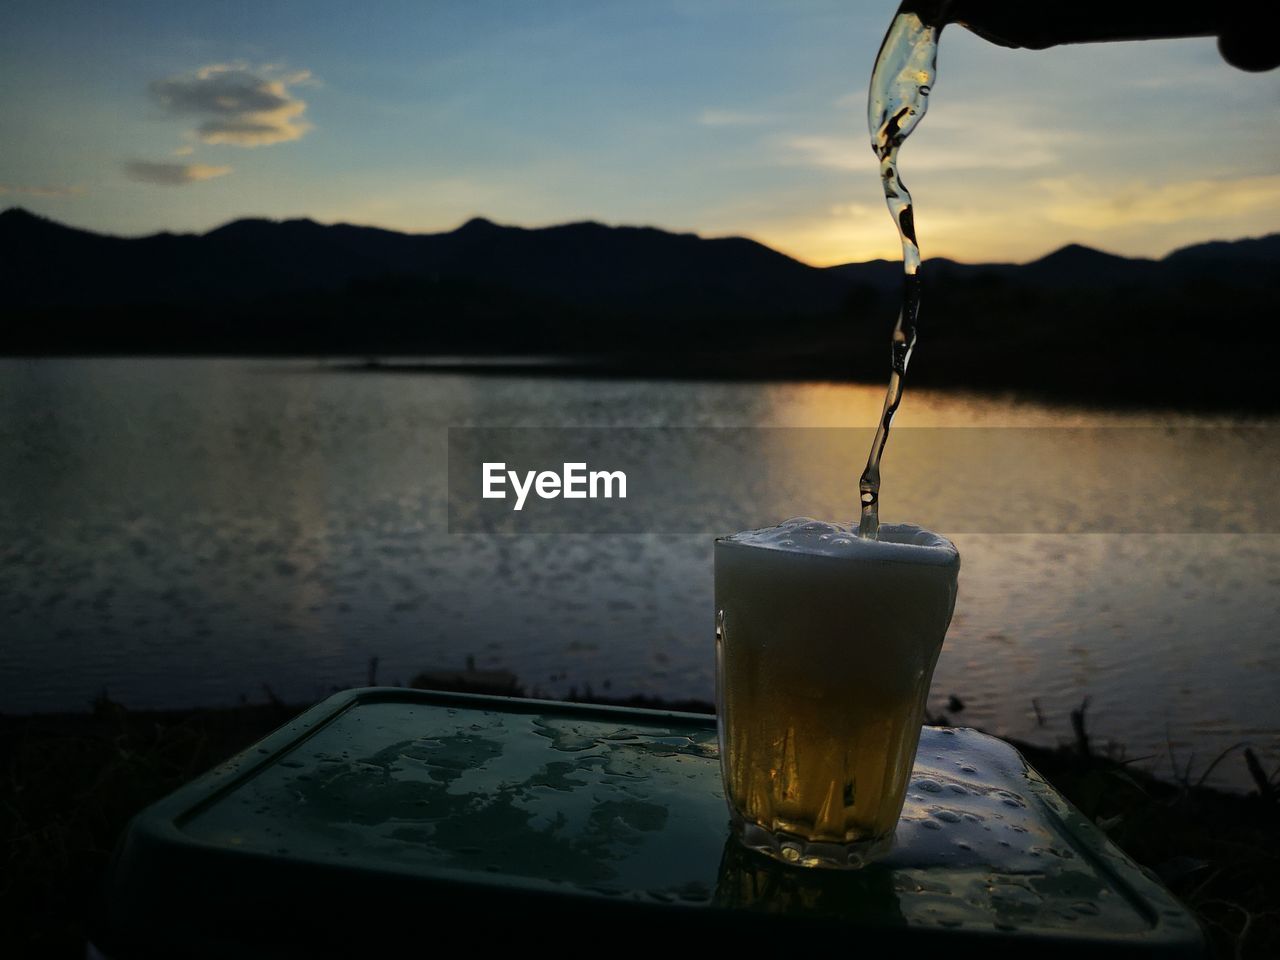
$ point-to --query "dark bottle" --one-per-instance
(1248, 31)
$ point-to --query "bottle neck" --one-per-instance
(1023, 23)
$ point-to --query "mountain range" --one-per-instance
(633, 299)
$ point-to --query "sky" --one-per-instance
(720, 118)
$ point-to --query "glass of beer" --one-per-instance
(825, 649)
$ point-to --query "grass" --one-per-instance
(69, 784)
(1217, 852)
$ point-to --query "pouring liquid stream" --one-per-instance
(899, 95)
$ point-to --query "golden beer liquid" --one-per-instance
(816, 759)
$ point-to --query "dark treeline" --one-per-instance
(1196, 328)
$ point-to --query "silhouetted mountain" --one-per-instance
(1076, 265)
(646, 299)
(585, 264)
(1258, 250)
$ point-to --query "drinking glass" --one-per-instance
(825, 649)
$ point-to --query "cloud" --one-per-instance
(236, 104)
(1082, 203)
(853, 153)
(39, 191)
(835, 153)
(731, 118)
(172, 174)
(984, 135)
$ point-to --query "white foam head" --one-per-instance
(815, 594)
(897, 543)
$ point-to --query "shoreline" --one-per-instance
(1126, 396)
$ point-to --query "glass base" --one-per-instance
(800, 852)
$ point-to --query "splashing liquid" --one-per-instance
(898, 98)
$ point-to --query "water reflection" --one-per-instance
(182, 532)
(751, 881)
(558, 800)
(567, 800)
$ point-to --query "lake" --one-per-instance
(190, 532)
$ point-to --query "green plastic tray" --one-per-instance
(388, 818)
